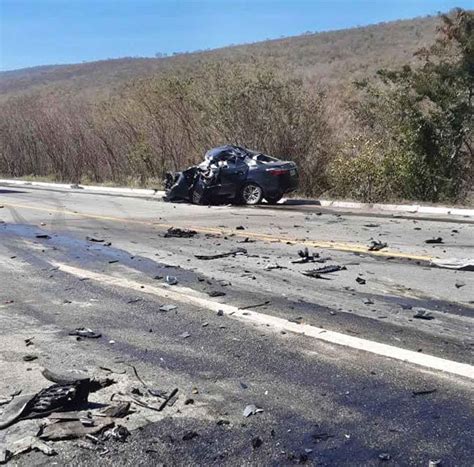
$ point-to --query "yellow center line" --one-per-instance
(339, 246)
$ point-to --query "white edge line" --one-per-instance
(190, 296)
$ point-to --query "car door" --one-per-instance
(232, 176)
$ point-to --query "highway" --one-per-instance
(370, 364)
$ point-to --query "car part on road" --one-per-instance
(179, 233)
(85, 332)
(316, 273)
(377, 245)
(233, 174)
(251, 409)
(434, 241)
(306, 257)
(466, 264)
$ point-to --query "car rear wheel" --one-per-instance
(251, 194)
(273, 199)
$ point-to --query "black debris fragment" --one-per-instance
(434, 240)
(377, 245)
(189, 435)
(43, 236)
(459, 284)
(94, 239)
(267, 302)
(240, 227)
(384, 456)
(234, 252)
(85, 332)
(215, 293)
(257, 442)
(171, 280)
(306, 257)
(423, 314)
(360, 280)
(117, 433)
(29, 357)
(179, 233)
(423, 392)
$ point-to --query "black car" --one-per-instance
(235, 174)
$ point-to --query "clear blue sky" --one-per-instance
(39, 32)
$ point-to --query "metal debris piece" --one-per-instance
(306, 257)
(29, 357)
(436, 240)
(423, 392)
(94, 239)
(171, 280)
(74, 429)
(249, 307)
(168, 307)
(116, 411)
(466, 264)
(316, 273)
(118, 433)
(256, 442)
(179, 233)
(251, 410)
(233, 252)
(423, 314)
(215, 293)
(376, 245)
(85, 332)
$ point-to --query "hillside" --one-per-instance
(330, 57)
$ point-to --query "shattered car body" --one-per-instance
(233, 174)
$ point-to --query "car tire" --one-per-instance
(273, 199)
(251, 194)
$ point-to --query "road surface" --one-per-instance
(369, 365)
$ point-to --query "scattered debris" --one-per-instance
(171, 280)
(179, 233)
(360, 281)
(185, 335)
(423, 392)
(376, 245)
(256, 442)
(435, 463)
(466, 264)
(29, 357)
(118, 433)
(269, 267)
(85, 332)
(372, 225)
(248, 307)
(116, 411)
(306, 257)
(215, 293)
(168, 307)
(43, 236)
(251, 410)
(220, 313)
(321, 436)
(368, 301)
(423, 314)
(459, 284)
(316, 273)
(434, 240)
(240, 227)
(234, 252)
(94, 239)
(384, 456)
(70, 429)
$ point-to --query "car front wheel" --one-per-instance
(251, 194)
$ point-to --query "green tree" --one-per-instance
(424, 115)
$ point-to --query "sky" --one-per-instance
(42, 32)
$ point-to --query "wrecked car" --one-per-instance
(233, 174)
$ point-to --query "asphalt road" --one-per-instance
(343, 367)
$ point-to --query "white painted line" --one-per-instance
(193, 297)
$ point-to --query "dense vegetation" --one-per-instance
(406, 134)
